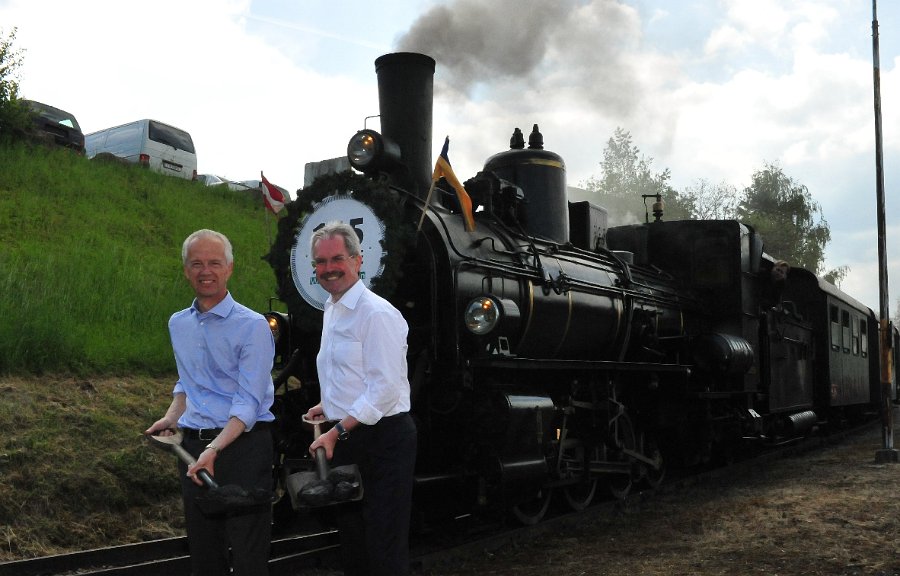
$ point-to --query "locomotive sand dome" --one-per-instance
(541, 176)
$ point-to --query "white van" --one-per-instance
(163, 148)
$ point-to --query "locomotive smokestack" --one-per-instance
(405, 97)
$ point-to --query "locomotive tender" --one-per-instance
(549, 352)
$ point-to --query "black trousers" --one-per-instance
(375, 531)
(246, 462)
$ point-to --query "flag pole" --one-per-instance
(266, 212)
(425, 207)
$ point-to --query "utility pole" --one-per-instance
(887, 453)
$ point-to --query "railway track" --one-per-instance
(294, 555)
(290, 555)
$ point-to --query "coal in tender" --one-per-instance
(233, 499)
(317, 493)
(339, 475)
(344, 491)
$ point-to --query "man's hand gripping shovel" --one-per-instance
(227, 500)
(324, 486)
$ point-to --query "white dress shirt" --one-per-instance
(362, 358)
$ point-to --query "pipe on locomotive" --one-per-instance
(406, 99)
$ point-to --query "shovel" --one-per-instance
(228, 500)
(324, 487)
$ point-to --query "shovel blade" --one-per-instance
(298, 487)
(232, 500)
(308, 490)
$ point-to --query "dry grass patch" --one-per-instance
(827, 513)
(75, 472)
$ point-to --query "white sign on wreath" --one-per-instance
(369, 228)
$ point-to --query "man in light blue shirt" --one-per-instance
(221, 402)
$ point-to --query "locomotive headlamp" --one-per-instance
(482, 315)
(369, 151)
(278, 324)
(485, 313)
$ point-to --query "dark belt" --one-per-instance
(209, 434)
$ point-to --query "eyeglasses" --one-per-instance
(336, 260)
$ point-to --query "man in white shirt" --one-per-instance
(363, 379)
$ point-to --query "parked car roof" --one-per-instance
(215, 180)
(56, 126)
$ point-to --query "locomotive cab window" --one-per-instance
(835, 328)
(845, 330)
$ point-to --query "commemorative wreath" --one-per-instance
(384, 202)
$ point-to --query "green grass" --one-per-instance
(90, 260)
(90, 271)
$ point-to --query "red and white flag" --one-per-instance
(272, 196)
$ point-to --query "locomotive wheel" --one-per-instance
(654, 476)
(623, 433)
(533, 511)
(578, 496)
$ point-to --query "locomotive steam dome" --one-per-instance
(541, 175)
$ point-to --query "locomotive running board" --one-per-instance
(534, 364)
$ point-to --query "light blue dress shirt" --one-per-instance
(224, 358)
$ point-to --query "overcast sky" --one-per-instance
(710, 89)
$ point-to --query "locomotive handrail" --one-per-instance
(536, 364)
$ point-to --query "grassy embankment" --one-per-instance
(90, 272)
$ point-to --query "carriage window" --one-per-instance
(863, 338)
(845, 330)
(855, 340)
(835, 329)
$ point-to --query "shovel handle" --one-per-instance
(185, 457)
(321, 463)
(321, 460)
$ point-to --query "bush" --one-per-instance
(15, 117)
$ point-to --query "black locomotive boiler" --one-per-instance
(552, 353)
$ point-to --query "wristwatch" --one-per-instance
(343, 434)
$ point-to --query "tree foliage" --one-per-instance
(789, 220)
(779, 208)
(628, 182)
(836, 275)
(711, 201)
(14, 117)
(626, 172)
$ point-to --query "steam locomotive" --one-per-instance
(548, 351)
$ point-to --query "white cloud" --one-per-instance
(271, 86)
